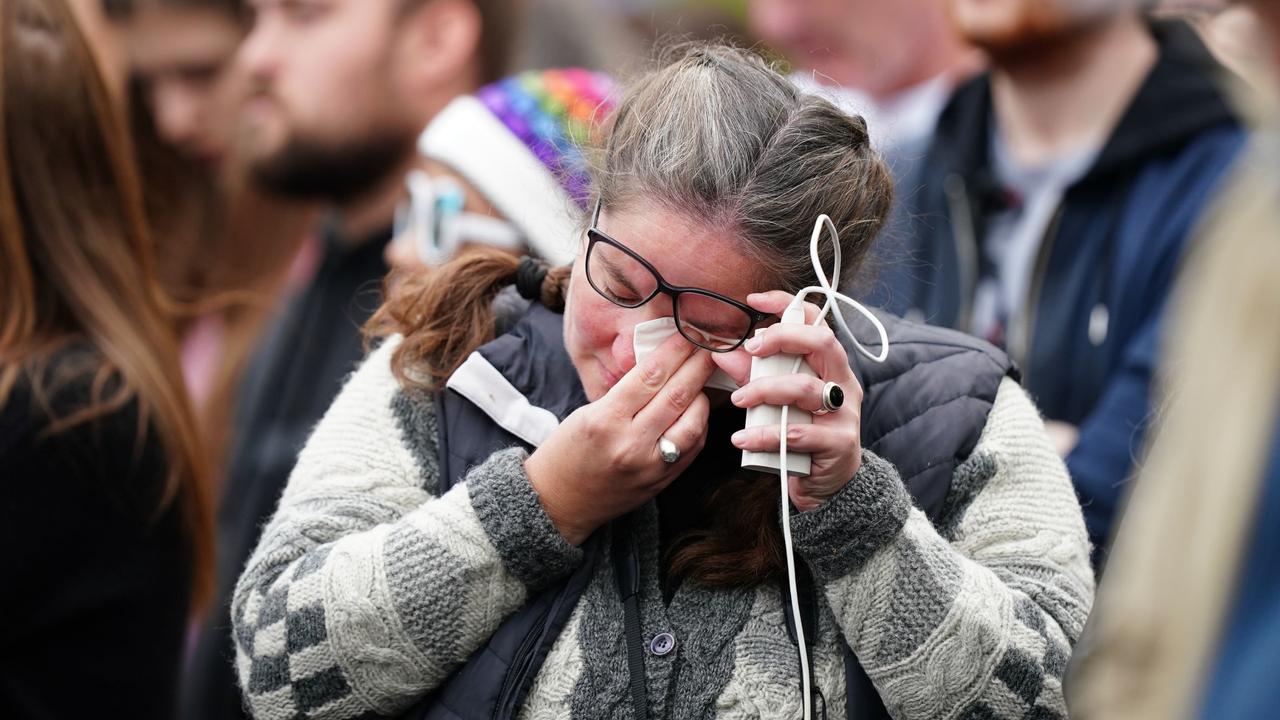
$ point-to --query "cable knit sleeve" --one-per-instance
(974, 618)
(366, 590)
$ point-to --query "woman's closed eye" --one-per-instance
(715, 330)
(620, 287)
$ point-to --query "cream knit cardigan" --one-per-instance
(367, 591)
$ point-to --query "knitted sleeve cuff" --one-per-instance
(531, 547)
(840, 535)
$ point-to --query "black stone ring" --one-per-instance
(832, 398)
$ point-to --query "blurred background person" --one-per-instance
(504, 168)
(1234, 34)
(575, 33)
(1056, 200)
(105, 41)
(1187, 623)
(180, 54)
(105, 517)
(339, 92)
(223, 246)
(894, 63)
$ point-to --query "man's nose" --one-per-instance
(259, 52)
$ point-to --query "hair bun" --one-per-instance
(529, 276)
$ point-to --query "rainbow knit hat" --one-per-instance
(518, 142)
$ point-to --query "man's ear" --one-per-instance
(441, 43)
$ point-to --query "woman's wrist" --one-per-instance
(865, 514)
(508, 508)
(568, 520)
(808, 494)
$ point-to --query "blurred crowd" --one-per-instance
(204, 202)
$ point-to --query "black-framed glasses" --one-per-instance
(706, 319)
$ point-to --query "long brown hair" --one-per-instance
(715, 133)
(446, 313)
(75, 255)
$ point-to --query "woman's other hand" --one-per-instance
(603, 461)
(833, 440)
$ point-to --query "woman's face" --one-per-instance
(687, 253)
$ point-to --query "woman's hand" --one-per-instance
(603, 461)
(833, 440)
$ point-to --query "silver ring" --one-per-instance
(832, 398)
(668, 450)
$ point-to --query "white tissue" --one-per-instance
(649, 335)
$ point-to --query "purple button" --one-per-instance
(662, 644)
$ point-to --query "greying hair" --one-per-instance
(716, 133)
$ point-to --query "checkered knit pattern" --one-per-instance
(367, 590)
(978, 623)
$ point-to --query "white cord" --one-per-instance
(791, 570)
(827, 288)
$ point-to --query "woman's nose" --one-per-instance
(624, 349)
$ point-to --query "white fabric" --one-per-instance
(906, 118)
(435, 225)
(650, 334)
(469, 139)
(481, 383)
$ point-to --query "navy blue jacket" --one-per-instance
(1089, 331)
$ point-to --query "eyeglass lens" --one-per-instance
(704, 320)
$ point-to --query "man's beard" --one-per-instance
(1042, 31)
(337, 172)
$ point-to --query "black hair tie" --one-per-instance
(529, 276)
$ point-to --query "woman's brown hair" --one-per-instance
(75, 254)
(445, 314)
(715, 133)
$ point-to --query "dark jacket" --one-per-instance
(923, 410)
(1088, 332)
(97, 585)
(291, 381)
